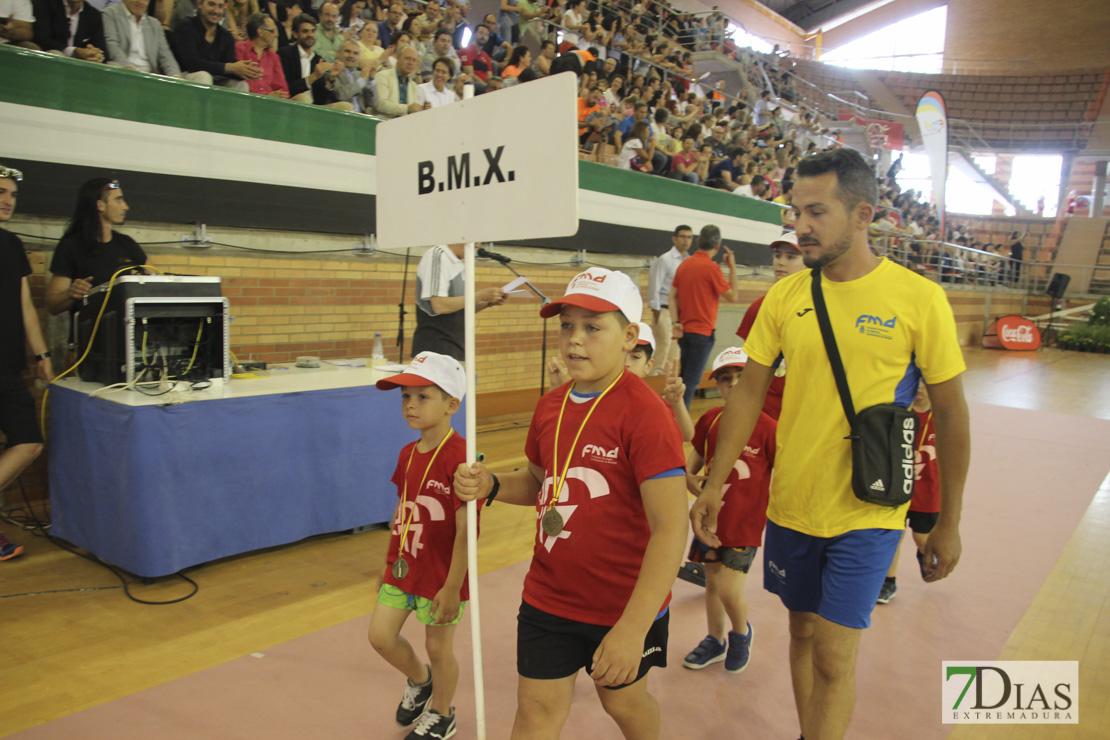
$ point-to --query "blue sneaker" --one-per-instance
(9, 550)
(709, 651)
(739, 650)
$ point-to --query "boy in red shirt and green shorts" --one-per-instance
(425, 567)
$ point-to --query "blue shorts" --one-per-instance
(836, 577)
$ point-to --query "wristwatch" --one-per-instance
(43, 356)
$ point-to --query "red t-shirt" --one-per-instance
(772, 403)
(431, 536)
(743, 514)
(479, 59)
(273, 77)
(588, 571)
(926, 487)
(699, 284)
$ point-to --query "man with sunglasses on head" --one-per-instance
(91, 251)
(19, 327)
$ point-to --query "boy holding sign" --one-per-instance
(607, 484)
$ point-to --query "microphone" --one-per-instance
(493, 256)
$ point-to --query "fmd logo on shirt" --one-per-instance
(458, 173)
(597, 453)
(876, 326)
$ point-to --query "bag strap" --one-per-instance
(831, 348)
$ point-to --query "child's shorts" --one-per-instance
(398, 599)
(921, 522)
(734, 558)
(836, 577)
(550, 647)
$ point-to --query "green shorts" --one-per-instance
(394, 597)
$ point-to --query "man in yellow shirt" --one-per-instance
(826, 551)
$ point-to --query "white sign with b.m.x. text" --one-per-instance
(496, 167)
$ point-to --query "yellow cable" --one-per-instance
(92, 336)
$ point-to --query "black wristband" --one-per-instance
(43, 356)
(493, 491)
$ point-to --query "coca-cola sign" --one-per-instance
(1012, 332)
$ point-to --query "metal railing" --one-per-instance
(959, 267)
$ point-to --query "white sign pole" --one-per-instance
(471, 506)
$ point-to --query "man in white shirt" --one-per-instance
(136, 40)
(440, 300)
(660, 279)
(18, 27)
(434, 93)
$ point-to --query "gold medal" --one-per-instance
(400, 569)
(552, 523)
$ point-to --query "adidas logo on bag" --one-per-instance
(878, 486)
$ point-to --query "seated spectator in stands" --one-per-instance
(761, 187)
(661, 134)
(493, 84)
(519, 61)
(18, 26)
(135, 40)
(261, 34)
(726, 174)
(238, 12)
(475, 61)
(612, 97)
(354, 85)
(547, 55)
(659, 160)
(496, 46)
(592, 119)
(207, 50)
(350, 17)
(285, 12)
(398, 93)
(574, 20)
(637, 152)
(717, 141)
(453, 20)
(369, 49)
(392, 23)
(307, 74)
(72, 28)
(441, 49)
(328, 37)
(684, 165)
(427, 23)
(437, 92)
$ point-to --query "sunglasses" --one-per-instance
(12, 173)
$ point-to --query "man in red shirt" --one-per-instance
(261, 32)
(475, 61)
(697, 291)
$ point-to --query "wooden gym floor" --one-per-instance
(67, 649)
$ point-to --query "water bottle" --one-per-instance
(377, 355)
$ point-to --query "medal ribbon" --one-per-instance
(405, 489)
(559, 481)
(707, 433)
(921, 439)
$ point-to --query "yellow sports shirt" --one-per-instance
(892, 327)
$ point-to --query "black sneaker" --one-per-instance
(887, 592)
(692, 573)
(414, 701)
(434, 725)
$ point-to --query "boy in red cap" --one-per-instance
(740, 526)
(787, 260)
(426, 561)
(605, 473)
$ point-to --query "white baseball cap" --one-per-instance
(430, 368)
(789, 239)
(600, 290)
(647, 336)
(731, 357)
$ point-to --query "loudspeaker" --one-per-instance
(1058, 285)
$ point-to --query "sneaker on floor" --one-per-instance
(887, 592)
(434, 725)
(708, 652)
(692, 573)
(9, 550)
(739, 650)
(414, 701)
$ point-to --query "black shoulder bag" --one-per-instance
(882, 436)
